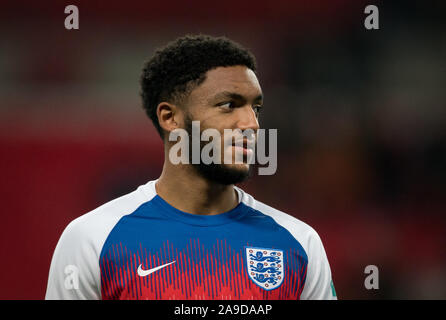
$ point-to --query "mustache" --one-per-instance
(243, 141)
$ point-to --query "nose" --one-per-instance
(247, 119)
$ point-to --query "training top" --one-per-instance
(140, 247)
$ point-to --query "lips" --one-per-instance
(245, 146)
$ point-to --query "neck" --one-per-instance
(185, 189)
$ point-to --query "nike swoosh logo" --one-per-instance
(143, 273)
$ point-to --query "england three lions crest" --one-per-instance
(265, 267)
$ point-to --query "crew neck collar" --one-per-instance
(201, 219)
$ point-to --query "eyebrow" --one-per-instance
(235, 96)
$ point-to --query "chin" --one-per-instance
(225, 174)
(243, 167)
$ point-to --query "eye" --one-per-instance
(257, 109)
(227, 105)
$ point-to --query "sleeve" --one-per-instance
(319, 284)
(74, 271)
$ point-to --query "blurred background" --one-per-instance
(361, 119)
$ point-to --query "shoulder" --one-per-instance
(93, 227)
(80, 245)
(318, 282)
(300, 230)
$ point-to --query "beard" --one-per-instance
(219, 173)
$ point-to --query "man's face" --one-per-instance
(229, 98)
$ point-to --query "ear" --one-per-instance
(168, 116)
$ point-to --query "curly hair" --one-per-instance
(174, 70)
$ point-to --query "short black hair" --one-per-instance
(175, 69)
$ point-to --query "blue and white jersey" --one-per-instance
(140, 247)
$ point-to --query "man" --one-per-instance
(191, 234)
